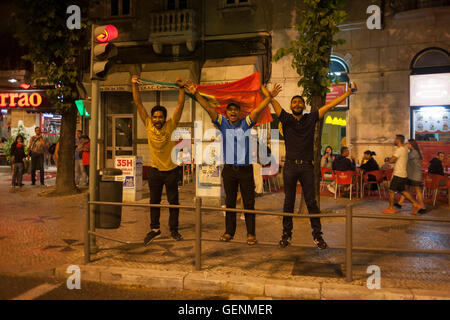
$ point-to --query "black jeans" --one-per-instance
(156, 180)
(235, 177)
(305, 174)
(37, 163)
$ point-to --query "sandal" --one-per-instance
(251, 240)
(226, 237)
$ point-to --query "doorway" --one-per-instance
(119, 136)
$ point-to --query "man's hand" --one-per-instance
(180, 82)
(352, 88)
(134, 78)
(275, 90)
(190, 87)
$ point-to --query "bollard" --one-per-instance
(87, 243)
(348, 243)
(198, 233)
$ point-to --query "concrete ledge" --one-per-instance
(203, 281)
(291, 289)
(331, 291)
(421, 294)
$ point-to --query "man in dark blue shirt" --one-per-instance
(298, 131)
(237, 170)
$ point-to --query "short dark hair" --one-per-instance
(387, 159)
(343, 149)
(401, 137)
(234, 104)
(159, 108)
(368, 152)
(85, 137)
(441, 152)
(300, 97)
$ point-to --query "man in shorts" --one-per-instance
(400, 176)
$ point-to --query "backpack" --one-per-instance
(52, 148)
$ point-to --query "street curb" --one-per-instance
(263, 288)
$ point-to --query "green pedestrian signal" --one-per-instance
(81, 108)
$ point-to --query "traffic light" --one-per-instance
(102, 50)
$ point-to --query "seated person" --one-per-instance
(436, 166)
(327, 159)
(386, 164)
(370, 164)
(344, 162)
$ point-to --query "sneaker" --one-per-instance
(399, 206)
(388, 211)
(320, 243)
(251, 240)
(415, 209)
(284, 242)
(175, 235)
(152, 235)
(422, 211)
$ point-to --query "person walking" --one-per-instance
(36, 149)
(17, 155)
(163, 171)
(400, 176)
(298, 131)
(86, 155)
(237, 170)
(414, 170)
(80, 175)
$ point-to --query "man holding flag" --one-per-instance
(298, 131)
(237, 171)
(162, 170)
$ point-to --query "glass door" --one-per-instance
(119, 137)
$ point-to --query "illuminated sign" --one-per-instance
(20, 99)
(337, 90)
(430, 89)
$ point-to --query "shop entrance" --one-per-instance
(119, 138)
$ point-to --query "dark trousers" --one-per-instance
(17, 174)
(37, 163)
(305, 174)
(235, 177)
(156, 180)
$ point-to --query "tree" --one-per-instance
(56, 53)
(311, 59)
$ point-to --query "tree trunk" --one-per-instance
(317, 102)
(65, 177)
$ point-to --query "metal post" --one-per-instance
(348, 242)
(87, 244)
(93, 133)
(198, 233)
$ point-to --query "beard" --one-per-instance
(297, 113)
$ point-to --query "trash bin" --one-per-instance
(109, 190)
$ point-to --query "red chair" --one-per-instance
(344, 178)
(388, 174)
(432, 183)
(379, 177)
(273, 175)
(328, 177)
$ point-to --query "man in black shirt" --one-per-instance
(298, 132)
(343, 163)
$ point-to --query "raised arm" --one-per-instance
(275, 104)
(137, 99)
(192, 89)
(269, 95)
(181, 97)
(352, 89)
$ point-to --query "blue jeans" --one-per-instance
(304, 173)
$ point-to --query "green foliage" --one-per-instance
(312, 48)
(7, 146)
(52, 47)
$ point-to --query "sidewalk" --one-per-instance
(39, 234)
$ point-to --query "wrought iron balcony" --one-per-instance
(173, 27)
(406, 5)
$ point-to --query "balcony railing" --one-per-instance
(173, 27)
(406, 5)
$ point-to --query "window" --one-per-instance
(230, 3)
(338, 69)
(177, 4)
(431, 60)
(118, 8)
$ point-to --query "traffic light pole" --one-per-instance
(93, 183)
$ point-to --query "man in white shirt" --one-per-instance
(400, 176)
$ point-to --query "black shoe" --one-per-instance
(422, 211)
(175, 235)
(320, 243)
(152, 235)
(284, 242)
(398, 206)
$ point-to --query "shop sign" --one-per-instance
(20, 99)
(336, 91)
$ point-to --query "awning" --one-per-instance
(229, 69)
(167, 72)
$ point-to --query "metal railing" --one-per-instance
(90, 234)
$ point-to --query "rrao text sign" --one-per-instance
(20, 99)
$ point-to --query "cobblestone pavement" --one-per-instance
(38, 233)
